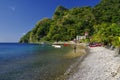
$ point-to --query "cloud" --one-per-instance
(12, 8)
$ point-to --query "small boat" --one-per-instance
(66, 44)
(56, 46)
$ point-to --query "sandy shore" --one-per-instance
(99, 64)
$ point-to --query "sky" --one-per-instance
(17, 17)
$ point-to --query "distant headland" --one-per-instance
(101, 22)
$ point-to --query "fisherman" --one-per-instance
(75, 48)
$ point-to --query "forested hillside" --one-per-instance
(102, 22)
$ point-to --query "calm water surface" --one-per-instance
(32, 61)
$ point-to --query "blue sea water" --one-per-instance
(32, 61)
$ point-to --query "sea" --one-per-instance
(33, 61)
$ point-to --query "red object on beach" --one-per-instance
(98, 44)
(66, 44)
(95, 45)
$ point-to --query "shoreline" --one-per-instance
(81, 53)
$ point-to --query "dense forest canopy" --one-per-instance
(102, 22)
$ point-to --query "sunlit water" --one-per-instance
(32, 62)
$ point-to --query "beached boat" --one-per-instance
(56, 46)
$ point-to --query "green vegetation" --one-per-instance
(102, 22)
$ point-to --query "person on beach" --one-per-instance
(75, 49)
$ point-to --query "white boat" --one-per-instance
(56, 46)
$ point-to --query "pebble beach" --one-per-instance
(99, 64)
